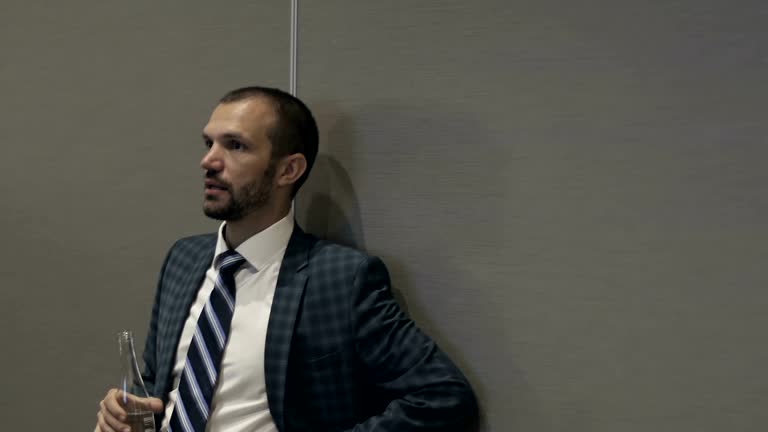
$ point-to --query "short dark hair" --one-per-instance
(295, 130)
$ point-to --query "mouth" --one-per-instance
(214, 188)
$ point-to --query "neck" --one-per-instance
(236, 232)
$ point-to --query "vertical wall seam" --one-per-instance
(294, 46)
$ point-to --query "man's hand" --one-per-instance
(112, 411)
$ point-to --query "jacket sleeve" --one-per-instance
(427, 391)
(150, 364)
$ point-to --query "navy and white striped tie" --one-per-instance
(201, 369)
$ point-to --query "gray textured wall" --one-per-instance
(102, 108)
(570, 195)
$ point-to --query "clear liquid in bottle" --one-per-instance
(132, 388)
(141, 421)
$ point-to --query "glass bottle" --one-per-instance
(139, 418)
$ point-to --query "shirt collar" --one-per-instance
(262, 248)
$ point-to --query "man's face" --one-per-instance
(239, 174)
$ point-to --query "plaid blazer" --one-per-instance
(340, 353)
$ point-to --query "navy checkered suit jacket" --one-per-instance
(340, 353)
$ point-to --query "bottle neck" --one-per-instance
(130, 380)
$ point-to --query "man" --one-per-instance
(265, 328)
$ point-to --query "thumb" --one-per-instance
(153, 404)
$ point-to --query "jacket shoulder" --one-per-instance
(194, 243)
(187, 251)
(335, 259)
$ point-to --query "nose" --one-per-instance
(212, 159)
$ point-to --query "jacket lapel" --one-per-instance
(285, 305)
(182, 292)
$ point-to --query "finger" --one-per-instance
(101, 425)
(123, 398)
(150, 403)
(112, 404)
(153, 404)
(111, 421)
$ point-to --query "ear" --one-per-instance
(290, 169)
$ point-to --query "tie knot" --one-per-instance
(230, 261)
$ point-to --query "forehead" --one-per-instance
(250, 117)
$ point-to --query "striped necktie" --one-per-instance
(201, 369)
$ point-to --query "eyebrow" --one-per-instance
(230, 135)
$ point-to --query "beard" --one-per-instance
(249, 198)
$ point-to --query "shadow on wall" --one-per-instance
(409, 140)
(334, 217)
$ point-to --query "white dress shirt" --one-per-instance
(240, 397)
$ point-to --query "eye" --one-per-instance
(207, 142)
(234, 144)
